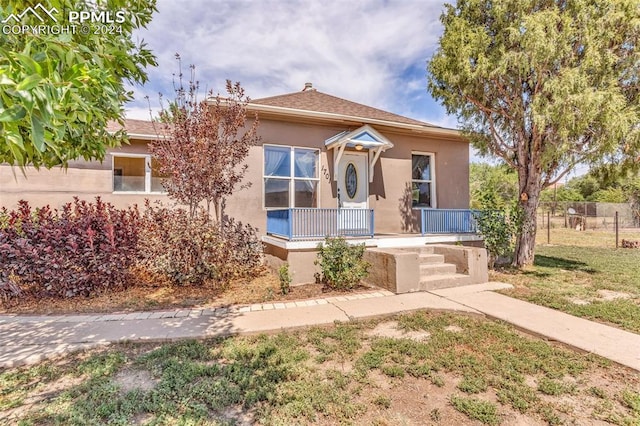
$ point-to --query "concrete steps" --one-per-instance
(428, 258)
(425, 268)
(435, 273)
(440, 281)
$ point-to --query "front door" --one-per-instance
(353, 182)
(353, 194)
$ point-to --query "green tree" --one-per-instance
(609, 195)
(493, 190)
(617, 177)
(493, 187)
(544, 85)
(586, 185)
(560, 193)
(58, 89)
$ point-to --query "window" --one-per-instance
(136, 173)
(422, 181)
(290, 177)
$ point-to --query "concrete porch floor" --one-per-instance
(380, 240)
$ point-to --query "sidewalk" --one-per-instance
(30, 339)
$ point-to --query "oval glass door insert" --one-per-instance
(351, 180)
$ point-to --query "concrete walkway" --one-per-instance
(30, 339)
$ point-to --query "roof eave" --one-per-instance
(137, 136)
(145, 137)
(348, 119)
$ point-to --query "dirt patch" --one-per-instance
(343, 367)
(577, 301)
(602, 295)
(239, 416)
(130, 380)
(415, 401)
(154, 296)
(390, 329)
(454, 329)
(612, 295)
(39, 396)
(379, 380)
(142, 419)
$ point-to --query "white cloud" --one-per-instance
(140, 113)
(360, 50)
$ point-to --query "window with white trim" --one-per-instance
(422, 180)
(136, 173)
(290, 177)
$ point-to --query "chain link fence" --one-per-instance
(585, 215)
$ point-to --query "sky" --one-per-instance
(373, 52)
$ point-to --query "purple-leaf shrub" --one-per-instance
(80, 249)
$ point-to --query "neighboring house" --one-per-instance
(326, 166)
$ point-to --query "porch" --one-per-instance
(309, 224)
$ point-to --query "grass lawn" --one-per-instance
(589, 238)
(583, 275)
(422, 368)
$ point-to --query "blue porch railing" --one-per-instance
(311, 224)
(448, 221)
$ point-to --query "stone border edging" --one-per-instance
(183, 313)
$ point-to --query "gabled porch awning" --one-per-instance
(363, 138)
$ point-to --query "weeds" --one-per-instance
(553, 387)
(477, 409)
(285, 278)
(563, 274)
(293, 379)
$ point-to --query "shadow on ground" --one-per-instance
(32, 339)
(562, 263)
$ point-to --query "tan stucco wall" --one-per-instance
(302, 268)
(392, 175)
(58, 186)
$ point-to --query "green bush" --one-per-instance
(194, 249)
(498, 229)
(341, 263)
(285, 278)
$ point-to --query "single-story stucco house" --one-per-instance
(325, 166)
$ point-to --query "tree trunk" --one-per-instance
(526, 239)
(217, 208)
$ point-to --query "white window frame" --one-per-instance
(292, 179)
(432, 165)
(147, 173)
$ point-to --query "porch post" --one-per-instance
(290, 224)
(372, 223)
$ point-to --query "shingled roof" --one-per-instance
(312, 100)
(133, 127)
